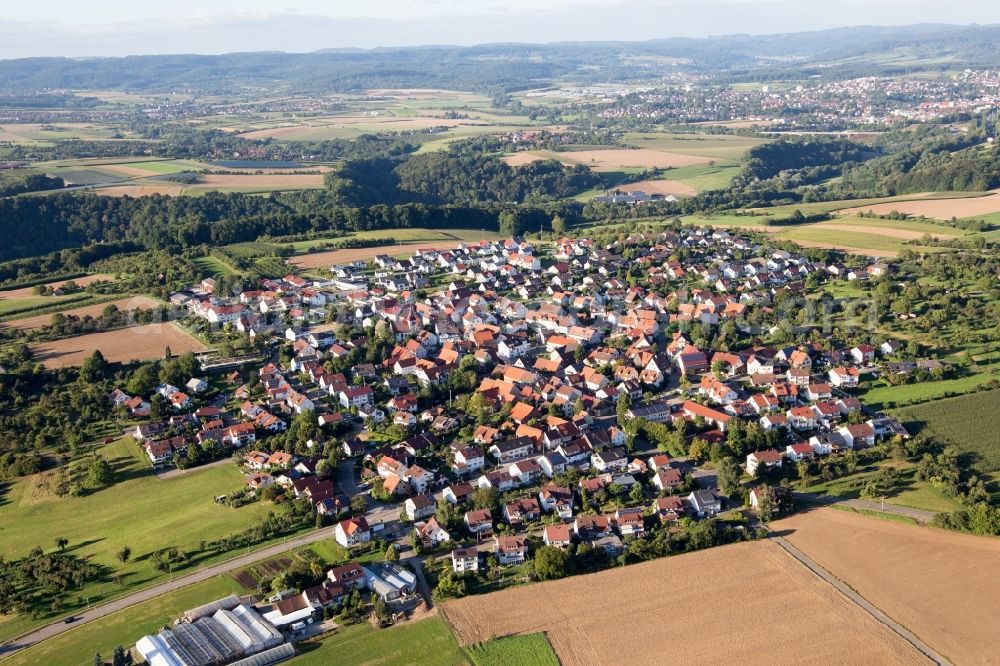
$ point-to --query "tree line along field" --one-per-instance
(592, 619)
(941, 585)
(971, 423)
(140, 511)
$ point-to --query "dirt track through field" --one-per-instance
(943, 586)
(748, 603)
(136, 343)
(133, 303)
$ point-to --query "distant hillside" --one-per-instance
(496, 68)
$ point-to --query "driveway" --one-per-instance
(345, 478)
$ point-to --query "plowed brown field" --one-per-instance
(748, 603)
(941, 585)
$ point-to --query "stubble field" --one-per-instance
(748, 603)
(123, 304)
(943, 586)
(136, 343)
(943, 209)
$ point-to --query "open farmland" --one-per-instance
(136, 343)
(943, 586)
(674, 187)
(139, 190)
(970, 422)
(123, 304)
(715, 146)
(817, 624)
(615, 160)
(129, 512)
(943, 209)
(347, 255)
(24, 292)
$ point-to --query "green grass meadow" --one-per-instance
(140, 511)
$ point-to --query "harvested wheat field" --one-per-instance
(613, 160)
(136, 343)
(943, 586)
(123, 304)
(942, 209)
(747, 603)
(528, 156)
(664, 187)
(135, 191)
(334, 257)
(25, 292)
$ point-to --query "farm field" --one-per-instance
(819, 625)
(34, 133)
(675, 187)
(941, 585)
(140, 511)
(887, 396)
(125, 627)
(970, 422)
(402, 235)
(13, 306)
(361, 644)
(523, 650)
(213, 266)
(716, 146)
(80, 281)
(137, 343)
(943, 209)
(327, 259)
(135, 191)
(124, 304)
(615, 160)
(853, 242)
(528, 156)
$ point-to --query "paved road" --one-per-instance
(844, 589)
(381, 514)
(919, 515)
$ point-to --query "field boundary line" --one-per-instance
(860, 601)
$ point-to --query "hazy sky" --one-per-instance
(127, 27)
